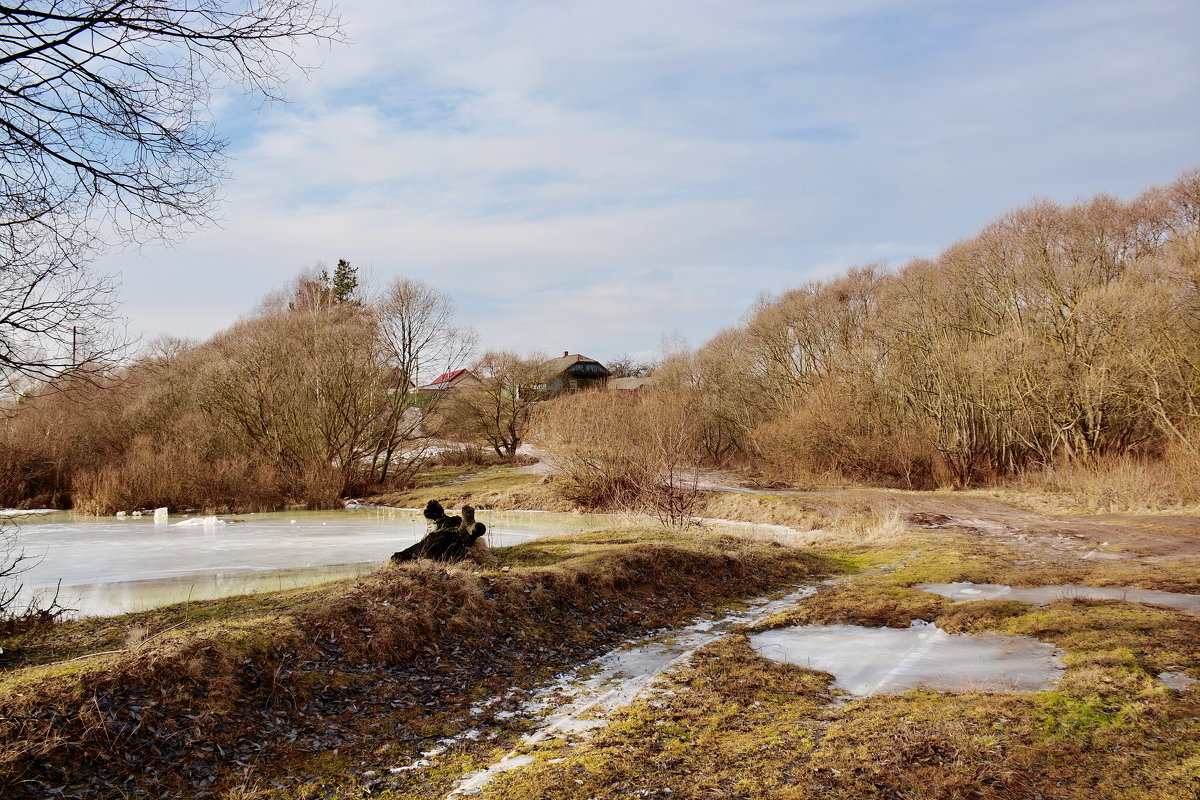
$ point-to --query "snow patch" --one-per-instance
(195, 522)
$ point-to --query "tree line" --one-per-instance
(1058, 334)
(1057, 349)
(309, 399)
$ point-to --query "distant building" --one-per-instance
(572, 372)
(449, 380)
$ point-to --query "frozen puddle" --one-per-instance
(574, 706)
(1044, 595)
(866, 661)
(1177, 680)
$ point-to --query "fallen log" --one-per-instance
(449, 538)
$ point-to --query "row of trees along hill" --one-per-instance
(304, 401)
(1060, 342)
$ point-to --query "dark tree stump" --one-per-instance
(449, 538)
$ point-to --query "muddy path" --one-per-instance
(1114, 535)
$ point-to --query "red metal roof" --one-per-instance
(446, 377)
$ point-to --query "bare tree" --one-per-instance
(55, 316)
(16, 611)
(498, 410)
(105, 137)
(419, 339)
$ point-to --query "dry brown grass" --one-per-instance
(876, 526)
(195, 681)
(494, 489)
(152, 475)
(1106, 485)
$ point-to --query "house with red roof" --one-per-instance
(449, 380)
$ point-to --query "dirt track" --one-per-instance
(1144, 536)
(1101, 535)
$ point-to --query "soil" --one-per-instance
(1101, 535)
(1140, 536)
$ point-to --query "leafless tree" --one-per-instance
(106, 137)
(498, 410)
(419, 339)
(15, 611)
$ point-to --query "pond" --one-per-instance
(111, 566)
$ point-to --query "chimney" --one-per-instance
(565, 354)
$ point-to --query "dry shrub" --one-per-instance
(834, 436)
(153, 475)
(615, 451)
(320, 486)
(466, 455)
(590, 448)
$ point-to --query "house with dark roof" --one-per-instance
(572, 372)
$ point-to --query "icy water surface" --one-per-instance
(111, 566)
(866, 661)
(573, 706)
(1044, 595)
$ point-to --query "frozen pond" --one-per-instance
(111, 566)
(1044, 595)
(869, 660)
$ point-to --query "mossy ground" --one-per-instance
(727, 724)
(732, 724)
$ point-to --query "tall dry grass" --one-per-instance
(1114, 484)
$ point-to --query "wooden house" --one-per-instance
(572, 372)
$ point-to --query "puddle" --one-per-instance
(1177, 680)
(867, 661)
(574, 706)
(1044, 595)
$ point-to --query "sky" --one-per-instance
(601, 175)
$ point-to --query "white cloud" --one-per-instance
(588, 175)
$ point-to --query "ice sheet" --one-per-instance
(1044, 595)
(865, 661)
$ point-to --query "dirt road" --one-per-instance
(1141, 536)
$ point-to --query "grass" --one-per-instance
(727, 724)
(493, 488)
(225, 672)
(733, 724)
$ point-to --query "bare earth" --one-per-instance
(1144, 536)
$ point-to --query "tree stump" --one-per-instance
(449, 538)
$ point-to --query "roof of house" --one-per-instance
(567, 360)
(447, 377)
(445, 380)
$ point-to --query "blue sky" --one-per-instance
(591, 175)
